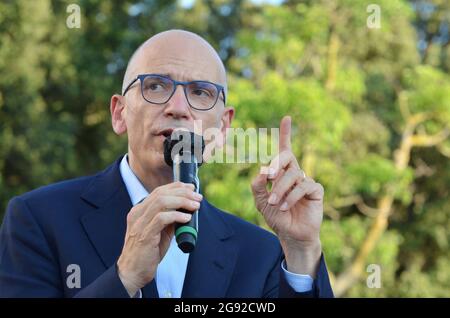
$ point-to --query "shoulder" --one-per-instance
(57, 191)
(68, 191)
(53, 202)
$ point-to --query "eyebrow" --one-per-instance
(173, 77)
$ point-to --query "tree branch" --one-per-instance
(354, 200)
(445, 151)
(424, 140)
(345, 201)
(418, 118)
(331, 212)
(367, 210)
(403, 105)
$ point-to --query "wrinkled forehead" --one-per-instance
(182, 58)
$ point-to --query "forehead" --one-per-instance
(182, 60)
(180, 69)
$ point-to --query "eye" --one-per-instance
(201, 92)
(155, 87)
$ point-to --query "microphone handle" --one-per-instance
(186, 233)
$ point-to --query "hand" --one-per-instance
(150, 228)
(293, 208)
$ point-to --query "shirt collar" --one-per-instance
(136, 190)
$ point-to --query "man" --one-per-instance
(111, 234)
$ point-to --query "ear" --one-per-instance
(227, 118)
(117, 107)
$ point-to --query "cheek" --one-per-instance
(135, 125)
(139, 124)
(211, 131)
(208, 122)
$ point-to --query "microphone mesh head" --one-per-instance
(186, 144)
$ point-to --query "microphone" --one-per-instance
(183, 151)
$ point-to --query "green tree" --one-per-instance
(371, 109)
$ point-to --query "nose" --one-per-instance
(178, 106)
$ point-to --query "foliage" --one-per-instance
(353, 92)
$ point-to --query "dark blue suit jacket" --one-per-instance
(83, 222)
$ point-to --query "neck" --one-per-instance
(153, 176)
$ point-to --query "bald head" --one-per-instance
(181, 54)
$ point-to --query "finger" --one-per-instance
(302, 178)
(259, 185)
(283, 160)
(285, 133)
(315, 191)
(178, 184)
(168, 189)
(292, 198)
(164, 219)
(177, 189)
(282, 172)
(309, 190)
(168, 233)
(284, 184)
(186, 192)
(170, 202)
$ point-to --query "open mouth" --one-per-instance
(166, 132)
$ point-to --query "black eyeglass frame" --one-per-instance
(141, 78)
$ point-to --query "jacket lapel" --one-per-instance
(105, 224)
(211, 264)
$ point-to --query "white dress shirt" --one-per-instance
(171, 272)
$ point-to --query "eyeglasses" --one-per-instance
(158, 89)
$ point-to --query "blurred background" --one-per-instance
(370, 101)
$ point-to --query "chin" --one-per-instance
(158, 162)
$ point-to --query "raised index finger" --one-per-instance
(285, 133)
